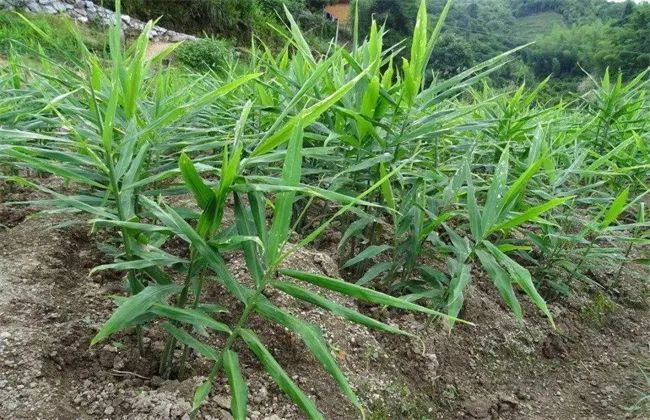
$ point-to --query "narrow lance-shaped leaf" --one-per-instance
(386, 188)
(374, 271)
(335, 308)
(221, 91)
(358, 292)
(133, 307)
(284, 201)
(280, 376)
(305, 117)
(185, 231)
(318, 231)
(366, 254)
(251, 256)
(208, 221)
(518, 187)
(298, 39)
(202, 193)
(530, 214)
(185, 338)
(231, 162)
(25, 155)
(190, 316)
(256, 201)
(617, 207)
(315, 77)
(496, 191)
(200, 394)
(314, 341)
(108, 122)
(475, 218)
(160, 260)
(460, 278)
(521, 276)
(234, 242)
(238, 388)
(354, 229)
(501, 280)
(433, 38)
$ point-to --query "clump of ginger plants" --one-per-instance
(431, 182)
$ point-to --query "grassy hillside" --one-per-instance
(59, 34)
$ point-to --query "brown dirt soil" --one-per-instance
(50, 308)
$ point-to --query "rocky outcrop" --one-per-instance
(85, 11)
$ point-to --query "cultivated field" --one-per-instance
(310, 234)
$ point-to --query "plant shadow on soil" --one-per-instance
(50, 308)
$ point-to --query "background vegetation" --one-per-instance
(236, 20)
(568, 35)
(17, 35)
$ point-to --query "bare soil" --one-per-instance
(50, 308)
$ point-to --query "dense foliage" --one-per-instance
(233, 19)
(568, 34)
(205, 54)
(16, 35)
(430, 185)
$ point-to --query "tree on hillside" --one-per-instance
(398, 16)
(451, 55)
(634, 41)
(472, 10)
(629, 8)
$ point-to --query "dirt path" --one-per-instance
(49, 309)
(154, 48)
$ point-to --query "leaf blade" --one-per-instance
(133, 307)
(280, 377)
(238, 388)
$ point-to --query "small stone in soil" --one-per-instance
(222, 401)
(259, 396)
(478, 409)
(156, 381)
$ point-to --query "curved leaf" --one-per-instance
(189, 316)
(238, 388)
(280, 377)
(185, 338)
(335, 308)
(522, 277)
(194, 182)
(366, 254)
(359, 292)
(133, 307)
(314, 340)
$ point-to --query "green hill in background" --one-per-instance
(568, 35)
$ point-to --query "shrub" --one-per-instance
(230, 18)
(204, 54)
